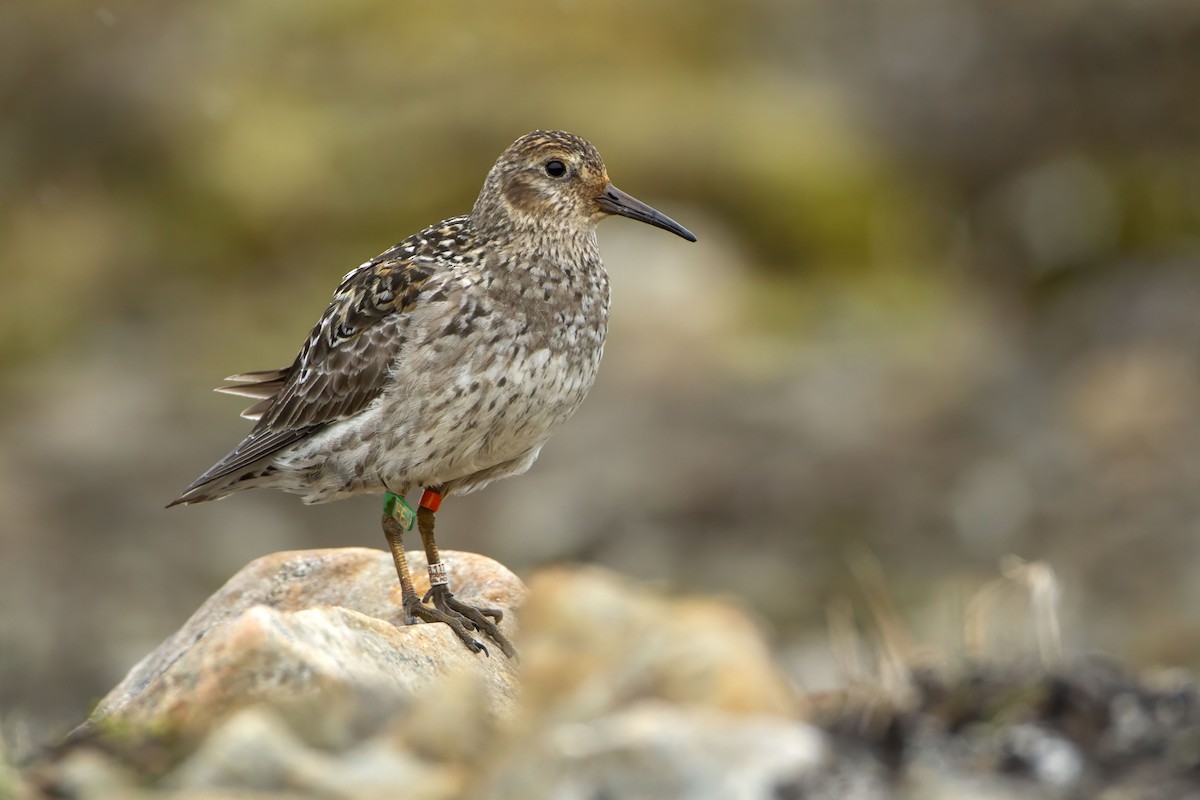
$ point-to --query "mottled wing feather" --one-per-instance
(337, 374)
(257, 390)
(261, 386)
(259, 376)
(342, 366)
(255, 412)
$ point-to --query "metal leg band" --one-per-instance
(437, 574)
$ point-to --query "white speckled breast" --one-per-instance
(494, 361)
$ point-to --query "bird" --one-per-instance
(444, 363)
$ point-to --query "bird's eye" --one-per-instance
(556, 168)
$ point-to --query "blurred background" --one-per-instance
(945, 305)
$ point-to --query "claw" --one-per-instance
(415, 610)
(439, 602)
(445, 602)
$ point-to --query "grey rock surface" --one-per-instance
(293, 681)
(317, 634)
(656, 750)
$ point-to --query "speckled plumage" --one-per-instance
(451, 358)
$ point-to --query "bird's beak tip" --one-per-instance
(614, 201)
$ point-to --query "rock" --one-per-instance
(294, 677)
(92, 774)
(655, 750)
(318, 635)
(630, 693)
(293, 681)
(255, 749)
(596, 642)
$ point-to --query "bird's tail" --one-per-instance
(203, 490)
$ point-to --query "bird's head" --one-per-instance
(554, 180)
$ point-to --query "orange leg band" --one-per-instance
(431, 500)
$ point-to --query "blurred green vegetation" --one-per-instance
(157, 155)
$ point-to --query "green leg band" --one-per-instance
(404, 514)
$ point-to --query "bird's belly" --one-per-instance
(518, 408)
(481, 423)
(482, 419)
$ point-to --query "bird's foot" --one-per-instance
(462, 626)
(469, 616)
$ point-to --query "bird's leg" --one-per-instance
(439, 585)
(414, 609)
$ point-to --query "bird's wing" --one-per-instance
(342, 366)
